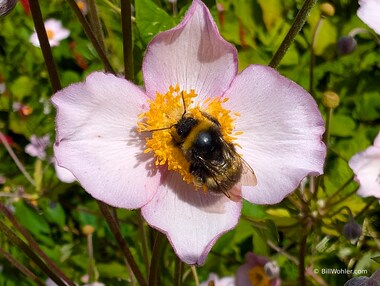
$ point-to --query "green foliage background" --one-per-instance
(55, 213)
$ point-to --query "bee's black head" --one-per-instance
(184, 126)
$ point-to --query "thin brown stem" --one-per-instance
(312, 55)
(21, 267)
(144, 242)
(95, 23)
(126, 25)
(369, 204)
(44, 43)
(114, 226)
(178, 270)
(91, 266)
(298, 23)
(13, 238)
(19, 165)
(301, 265)
(91, 36)
(34, 245)
(154, 262)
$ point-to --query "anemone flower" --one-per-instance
(366, 166)
(55, 33)
(259, 271)
(369, 13)
(120, 141)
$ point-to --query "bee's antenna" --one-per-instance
(183, 114)
(184, 105)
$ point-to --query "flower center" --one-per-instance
(50, 34)
(165, 111)
(257, 276)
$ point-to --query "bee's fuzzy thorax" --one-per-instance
(165, 113)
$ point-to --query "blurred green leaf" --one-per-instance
(326, 39)
(31, 220)
(112, 270)
(342, 125)
(151, 19)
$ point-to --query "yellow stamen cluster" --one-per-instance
(164, 113)
(50, 34)
(258, 277)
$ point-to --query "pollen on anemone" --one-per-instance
(105, 139)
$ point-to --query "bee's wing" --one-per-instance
(248, 177)
(234, 194)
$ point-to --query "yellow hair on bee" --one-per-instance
(201, 126)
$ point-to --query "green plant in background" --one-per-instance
(54, 230)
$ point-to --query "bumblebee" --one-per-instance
(214, 163)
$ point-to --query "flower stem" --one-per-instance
(91, 262)
(126, 25)
(175, 8)
(21, 267)
(114, 226)
(343, 198)
(155, 261)
(312, 55)
(326, 136)
(195, 274)
(95, 23)
(34, 245)
(302, 255)
(44, 43)
(178, 272)
(144, 241)
(91, 36)
(293, 31)
(112, 6)
(30, 253)
(15, 159)
(366, 207)
(341, 188)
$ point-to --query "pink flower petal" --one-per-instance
(97, 142)
(193, 220)
(63, 174)
(282, 132)
(34, 40)
(369, 13)
(193, 55)
(61, 34)
(366, 166)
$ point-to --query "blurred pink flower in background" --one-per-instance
(366, 166)
(54, 31)
(224, 281)
(278, 133)
(37, 146)
(82, 4)
(258, 271)
(369, 13)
